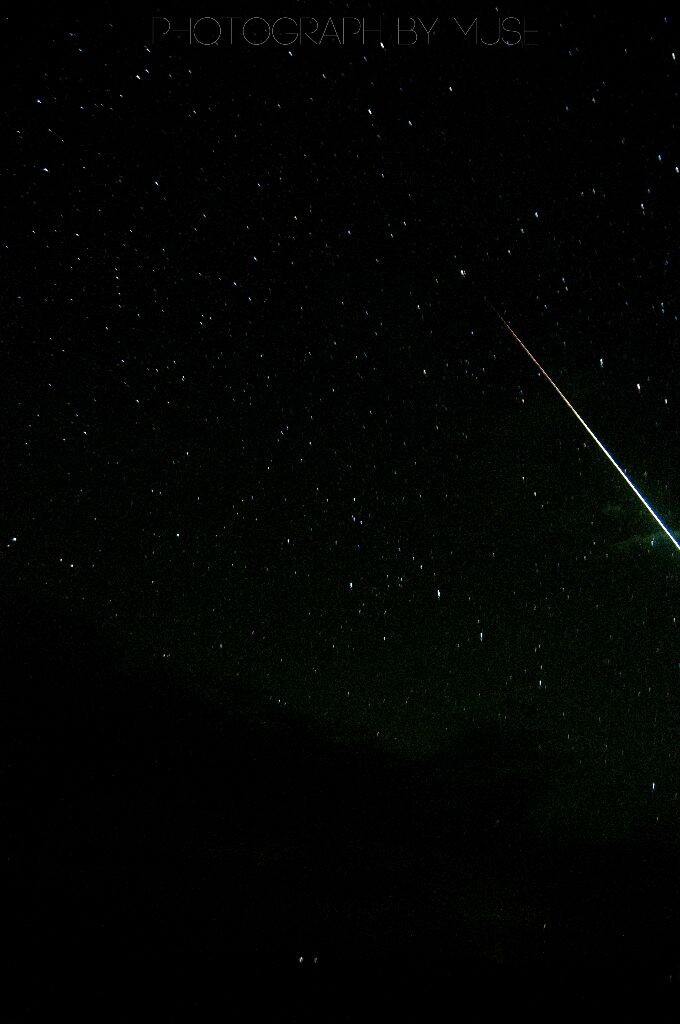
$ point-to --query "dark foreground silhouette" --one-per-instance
(157, 838)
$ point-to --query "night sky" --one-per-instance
(337, 650)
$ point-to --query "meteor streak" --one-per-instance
(586, 427)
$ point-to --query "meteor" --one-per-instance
(586, 427)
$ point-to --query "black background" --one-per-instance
(338, 651)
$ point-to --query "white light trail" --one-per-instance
(587, 428)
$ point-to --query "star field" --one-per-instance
(271, 461)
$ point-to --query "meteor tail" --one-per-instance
(586, 427)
